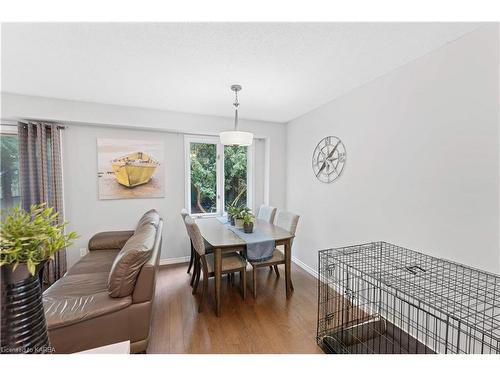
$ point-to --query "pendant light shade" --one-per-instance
(236, 137)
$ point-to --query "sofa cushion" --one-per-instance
(95, 261)
(127, 264)
(65, 311)
(79, 297)
(113, 240)
(150, 217)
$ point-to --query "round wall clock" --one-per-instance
(329, 159)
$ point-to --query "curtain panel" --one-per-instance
(40, 179)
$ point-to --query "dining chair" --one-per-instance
(231, 262)
(288, 221)
(193, 258)
(185, 213)
(266, 213)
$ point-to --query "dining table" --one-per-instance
(222, 239)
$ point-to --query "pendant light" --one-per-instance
(236, 137)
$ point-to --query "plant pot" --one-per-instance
(229, 218)
(23, 326)
(232, 221)
(238, 223)
(248, 228)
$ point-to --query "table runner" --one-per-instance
(259, 246)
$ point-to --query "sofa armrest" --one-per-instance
(144, 289)
(109, 240)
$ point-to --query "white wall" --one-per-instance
(86, 213)
(422, 164)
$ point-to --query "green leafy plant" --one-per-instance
(203, 176)
(242, 211)
(235, 174)
(248, 218)
(31, 237)
(232, 210)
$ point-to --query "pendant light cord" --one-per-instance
(236, 105)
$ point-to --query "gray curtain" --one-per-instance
(40, 178)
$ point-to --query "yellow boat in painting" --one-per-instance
(134, 169)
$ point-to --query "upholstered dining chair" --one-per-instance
(288, 221)
(231, 262)
(185, 213)
(193, 258)
(266, 213)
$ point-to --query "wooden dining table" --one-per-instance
(224, 240)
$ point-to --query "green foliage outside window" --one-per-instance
(9, 170)
(235, 176)
(204, 177)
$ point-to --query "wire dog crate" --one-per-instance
(382, 298)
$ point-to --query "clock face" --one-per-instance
(329, 159)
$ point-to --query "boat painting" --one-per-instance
(130, 168)
(134, 169)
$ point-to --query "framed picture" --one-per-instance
(130, 168)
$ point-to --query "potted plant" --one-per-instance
(248, 223)
(232, 211)
(28, 239)
(238, 222)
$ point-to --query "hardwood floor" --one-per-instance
(269, 324)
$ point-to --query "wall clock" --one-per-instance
(328, 159)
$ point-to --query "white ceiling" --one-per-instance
(286, 69)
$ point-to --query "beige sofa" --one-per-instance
(81, 313)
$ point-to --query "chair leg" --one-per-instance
(243, 282)
(271, 268)
(203, 292)
(276, 270)
(191, 260)
(195, 268)
(254, 289)
(198, 269)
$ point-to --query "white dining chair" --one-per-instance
(267, 213)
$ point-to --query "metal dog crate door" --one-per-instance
(382, 298)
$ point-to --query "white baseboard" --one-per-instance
(164, 262)
(305, 267)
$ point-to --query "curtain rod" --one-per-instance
(118, 126)
(59, 126)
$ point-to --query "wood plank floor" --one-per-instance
(269, 324)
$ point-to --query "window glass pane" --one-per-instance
(203, 177)
(235, 176)
(9, 171)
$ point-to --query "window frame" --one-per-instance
(9, 129)
(220, 196)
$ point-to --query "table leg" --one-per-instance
(218, 277)
(288, 268)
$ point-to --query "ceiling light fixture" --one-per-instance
(236, 137)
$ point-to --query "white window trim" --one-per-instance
(8, 129)
(188, 139)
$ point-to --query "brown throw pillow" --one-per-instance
(150, 217)
(127, 264)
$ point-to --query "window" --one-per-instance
(203, 171)
(9, 167)
(235, 175)
(207, 175)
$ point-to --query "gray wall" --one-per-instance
(87, 214)
(422, 159)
